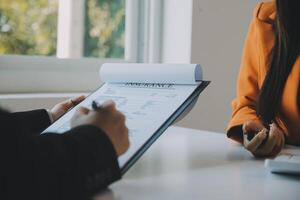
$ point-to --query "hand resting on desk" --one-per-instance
(264, 143)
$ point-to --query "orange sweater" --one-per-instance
(259, 43)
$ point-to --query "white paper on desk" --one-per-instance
(291, 150)
(146, 106)
(151, 73)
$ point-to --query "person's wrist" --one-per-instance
(109, 137)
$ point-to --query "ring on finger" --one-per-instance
(72, 102)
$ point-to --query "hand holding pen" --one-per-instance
(107, 118)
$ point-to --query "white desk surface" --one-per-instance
(192, 164)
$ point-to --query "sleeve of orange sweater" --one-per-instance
(247, 85)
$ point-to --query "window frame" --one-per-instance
(46, 74)
(70, 28)
(42, 74)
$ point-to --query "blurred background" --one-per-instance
(31, 27)
(51, 50)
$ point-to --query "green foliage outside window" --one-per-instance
(28, 27)
(105, 25)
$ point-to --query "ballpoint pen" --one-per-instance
(96, 106)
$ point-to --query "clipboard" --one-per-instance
(152, 99)
(181, 111)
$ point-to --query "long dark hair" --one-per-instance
(281, 60)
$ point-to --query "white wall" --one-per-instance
(218, 32)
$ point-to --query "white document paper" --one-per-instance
(151, 73)
(146, 106)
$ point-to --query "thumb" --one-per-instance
(77, 100)
(70, 103)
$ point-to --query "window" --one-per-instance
(66, 28)
(105, 25)
(28, 27)
(58, 45)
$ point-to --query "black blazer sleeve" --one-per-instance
(74, 165)
(31, 122)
